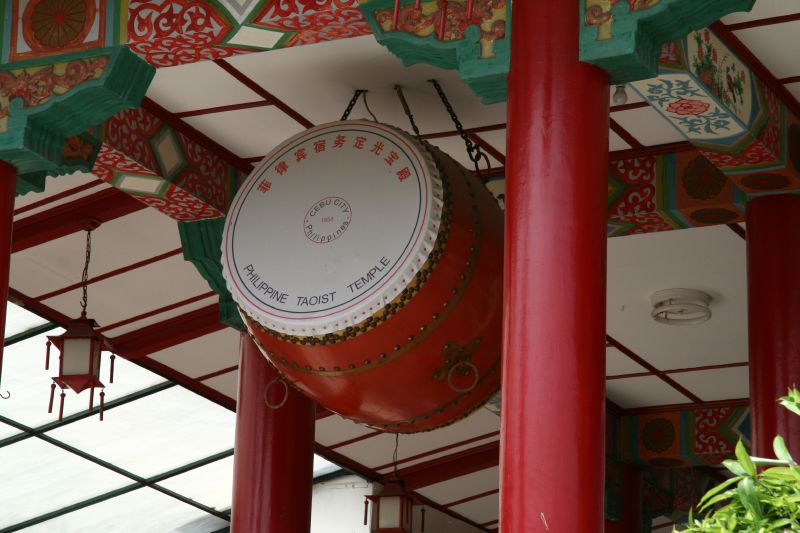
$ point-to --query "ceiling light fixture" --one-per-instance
(680, 307)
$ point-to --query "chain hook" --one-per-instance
(8, 395)
(471, 367)
(354, 100)
(407, 110)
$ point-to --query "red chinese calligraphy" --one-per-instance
(319, 146)
(339, 141)
(359, 142)
(300, 154)
(391, 158)
(377, 148)
(403, 174)
(264, 186)
(281, 168)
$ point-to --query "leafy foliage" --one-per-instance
(753, 501)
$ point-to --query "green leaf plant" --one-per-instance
(754, 501)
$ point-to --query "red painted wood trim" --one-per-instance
(624, 134)
(790, 79)
(158, 311)
(488, 148)
(168, 333)
(451, 466)
(355, 439)
(111, 274)
(34, 306)
(744, 53)
(218, 373)
(658, 409)
(222, 109)
(648, 151)
(323, 412)
(453, 133)
(762, 22)
(439, 450)
(182, 379)
(196, 136)
(738, 230)
(266, 95)
(628, 107)
(679, 370)
(57, 196)
(473, 498)
(69, 218)
(8, 182)
(658, 373)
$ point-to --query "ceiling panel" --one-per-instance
(770, 44)
(618, 363)
(55, 185)
(248, 132)
(481, 510)
(720, 384)
(202, 355)
(227, 383)
(334, 429)
(711, 259)
(160, 317)
(647, 391)
(764, 9)
(198, 85)
(463, 486)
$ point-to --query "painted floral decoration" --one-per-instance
(688, 107)
(702, 180)
(55, 24)
(728, 83)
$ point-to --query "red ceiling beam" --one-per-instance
(222, 109)
(680, 370)
(168, 333)
(192, 384)
(763, 22)
(624, 134)
(58, 196)
(71, 217)
(452, 466)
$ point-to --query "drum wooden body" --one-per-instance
(428, 352)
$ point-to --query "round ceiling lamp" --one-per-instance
(680, 307)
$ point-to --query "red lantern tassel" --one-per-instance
(91, 398)
(442, 19)
(102, 403)
(47, 357)
(422, 530)
(61, 407)
(111, 372)
(396, 15)
(52, 397)
(366, 511)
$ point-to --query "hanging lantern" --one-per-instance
(391, 509)
(80, 347)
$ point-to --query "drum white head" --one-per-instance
(331, 226)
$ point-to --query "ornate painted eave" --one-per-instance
(624, 37)
(476, 45)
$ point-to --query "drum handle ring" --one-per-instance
(276, 406)
(469, 365)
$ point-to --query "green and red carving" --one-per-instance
(444, 34)
(624, 37)
(44, 103)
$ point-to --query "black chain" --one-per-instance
(354, 101)
(85, 275)
(407, 110)
(473, 150)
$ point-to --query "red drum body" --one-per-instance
(397, 321)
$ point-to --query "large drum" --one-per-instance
(368, 268)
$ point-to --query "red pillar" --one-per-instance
(773, 264)
(552, 435)
(632, 517)
(274, 453)
(8, 187)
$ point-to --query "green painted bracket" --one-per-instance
(202, 246)
(80, 158)
(33, 138)
(485, 76)
(626, 43)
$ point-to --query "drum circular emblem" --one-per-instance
(327, 220)
(367, 267)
